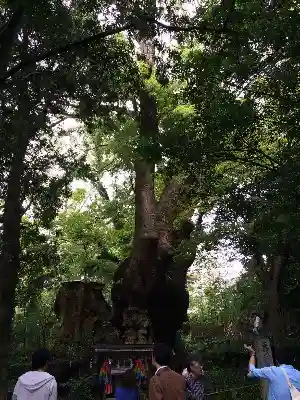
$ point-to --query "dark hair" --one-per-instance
(128, 379)
(192, 358)
(40, 358)
(162, 354)
(284, 355)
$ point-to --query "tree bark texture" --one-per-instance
(150, 287)
(269, 272)
(275, 317)
(10, 255)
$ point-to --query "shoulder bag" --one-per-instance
(295, 394)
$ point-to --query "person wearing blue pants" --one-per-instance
(127, 388)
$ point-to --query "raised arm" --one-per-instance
(253, 372)
(252, 356)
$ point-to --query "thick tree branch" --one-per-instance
(59, 121)
(31, 200)
(170, 204)
(166, 213)
(67, 115)
(109, 31)
(9, 27)
(101, 110)
(7, 36)
(229, 155)
(64, 48)
(203, 28)
(102, 190)
(199, 222)
(169, 198)
(174, 194)
(229, 6)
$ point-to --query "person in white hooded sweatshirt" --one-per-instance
(37, 384)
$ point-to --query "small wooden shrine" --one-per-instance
(111, 361)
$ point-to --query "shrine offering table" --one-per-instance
(112, 361)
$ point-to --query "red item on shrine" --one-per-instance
(105, 377)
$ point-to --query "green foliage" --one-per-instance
(225, 380)
(88, 243)
(39, 263)
(81, 388)
(215, 301)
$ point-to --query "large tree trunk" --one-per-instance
(145, 235)
(10, 255)
(140, 274)
(149, 293)
(13, 210)
(152, 311)
(83, 313)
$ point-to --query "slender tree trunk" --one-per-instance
(269, 273)
(10, 257)
(275, 320)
